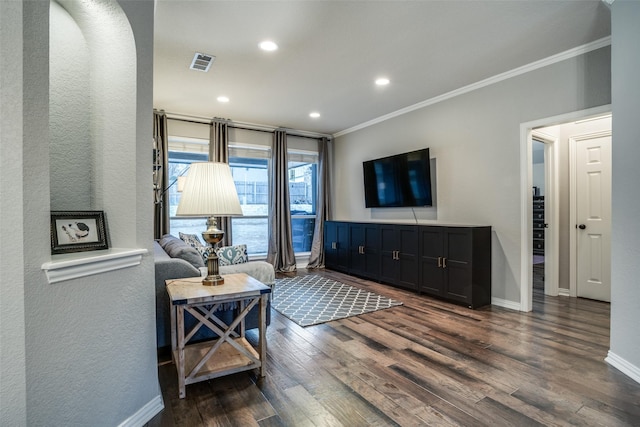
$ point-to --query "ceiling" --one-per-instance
(330, 53)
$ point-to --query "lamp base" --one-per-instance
(212, 236)
(213, 281)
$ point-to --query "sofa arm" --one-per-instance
(166, 269)
(259, 270)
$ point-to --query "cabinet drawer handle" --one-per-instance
(439, 262)
(444, 263)
(333, 245)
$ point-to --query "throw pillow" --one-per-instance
(176, 248)
(194, 241)
(229, 255)
(191, 239)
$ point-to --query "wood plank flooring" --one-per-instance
(427, 362)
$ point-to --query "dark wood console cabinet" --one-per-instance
(449, 262)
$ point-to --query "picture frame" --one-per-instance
(78, 231)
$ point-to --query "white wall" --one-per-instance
(71, 150)
(625, 247)
(474, 139)
(13, 399)
(85, 350)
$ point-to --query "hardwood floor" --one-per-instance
(424, 363)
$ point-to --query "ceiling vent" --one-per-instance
(202, 62)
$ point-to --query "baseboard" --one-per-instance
(623, 366)
(511, 305)
(564, 292)
(144, 414)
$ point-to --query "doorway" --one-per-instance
(550, 138)
(540, 217)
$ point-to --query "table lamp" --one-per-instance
(209, 190)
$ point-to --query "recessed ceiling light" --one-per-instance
(268, 45)
(382, 81)
(223, 99)
(314, 115)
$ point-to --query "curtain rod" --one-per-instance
(246, 126)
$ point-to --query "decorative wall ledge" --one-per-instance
(71, 266)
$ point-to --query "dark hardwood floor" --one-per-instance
(424, 363)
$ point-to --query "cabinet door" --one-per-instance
(458, 251)
(408, 247)
(371, 249)
(431, 255)
(342, 239)
(330, 242)
(388, 247)
(356, 253)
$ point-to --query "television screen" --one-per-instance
(403, 180)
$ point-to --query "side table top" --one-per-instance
(236, 286)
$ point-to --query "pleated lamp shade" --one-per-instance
(209, 190)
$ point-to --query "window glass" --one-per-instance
(179, 162)
(303, 177)
(250, 170)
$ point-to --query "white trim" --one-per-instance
(72, 266)
(144, 414)
(526, 220)
(511, 305)
(564, 292)
(573, 258)
(623, 366)
(571, 53)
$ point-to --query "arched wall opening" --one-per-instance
(93, 113)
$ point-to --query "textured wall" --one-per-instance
(625, 292)
(475, 140)
(13, 405)
(80, 352)
(71, 146)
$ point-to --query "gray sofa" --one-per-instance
(174, 259)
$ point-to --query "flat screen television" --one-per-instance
(403, 180)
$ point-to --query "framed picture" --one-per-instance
(78, 231)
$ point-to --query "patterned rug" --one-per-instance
(312, 299)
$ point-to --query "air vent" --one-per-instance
(202, 62)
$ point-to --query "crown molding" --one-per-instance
(571, 53)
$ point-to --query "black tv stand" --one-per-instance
(451, 262)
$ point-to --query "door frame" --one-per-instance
(526, 201)
(551, 212)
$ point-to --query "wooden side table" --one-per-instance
(231, 352)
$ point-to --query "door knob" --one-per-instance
(582, 226)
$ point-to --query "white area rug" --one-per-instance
(312, 299)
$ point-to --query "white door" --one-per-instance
(593, 216)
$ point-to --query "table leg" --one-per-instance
(174, 345)
(262, 342)
(181, 344)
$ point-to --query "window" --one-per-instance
(250, 170)
(303, 183)
(182, 152)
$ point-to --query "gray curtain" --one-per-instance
(280, 253)
(323, 208)
(219, 152)
(160, 174)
